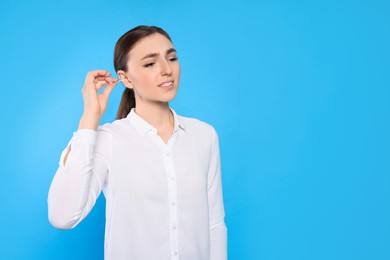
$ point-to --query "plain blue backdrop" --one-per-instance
(299, 92)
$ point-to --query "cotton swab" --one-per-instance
(115, 81)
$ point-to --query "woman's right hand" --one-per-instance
(95, 104)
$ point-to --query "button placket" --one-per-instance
(172, 195)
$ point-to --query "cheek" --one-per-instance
(143, 80)
(138, 77)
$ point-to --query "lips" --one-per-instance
(166, 84)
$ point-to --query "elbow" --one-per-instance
(220, 226)
(61, 215)
(218, 223)
(60, 221)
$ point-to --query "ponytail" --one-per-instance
(126, 104)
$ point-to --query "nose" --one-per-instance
(166, 68)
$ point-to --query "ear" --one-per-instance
(125, 80)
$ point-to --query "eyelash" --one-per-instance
(152, 63)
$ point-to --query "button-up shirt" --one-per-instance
(163, 200)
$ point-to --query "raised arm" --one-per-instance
(85, 161)
(94, 104)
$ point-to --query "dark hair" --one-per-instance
(121, 53)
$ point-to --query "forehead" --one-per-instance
(155, 43)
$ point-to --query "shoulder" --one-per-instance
(194, 126)
(113, 127)
(196, 123)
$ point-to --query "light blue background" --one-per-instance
(298, 91)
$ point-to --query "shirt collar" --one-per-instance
(144, 127)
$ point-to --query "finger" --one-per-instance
(111, 80)
(107, 91)
(95, 80)
(96, 74)
(106, 81)
(93, 87)
(100, 84)
(107, 78)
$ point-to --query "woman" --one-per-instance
(159, 172)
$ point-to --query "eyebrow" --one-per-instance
(155, 54)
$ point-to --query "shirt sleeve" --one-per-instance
(78, 183)
(218, 230)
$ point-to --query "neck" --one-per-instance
(158, 115)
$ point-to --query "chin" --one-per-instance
(169, 96)
(168, 99)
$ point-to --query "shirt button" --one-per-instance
(173, 179)
(173, 204)
(174, 228)
(168, 154)
(175, 253)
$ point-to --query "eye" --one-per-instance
(149, 65)
(173, 59)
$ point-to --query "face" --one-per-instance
(153, 70)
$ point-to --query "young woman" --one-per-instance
(160, 172)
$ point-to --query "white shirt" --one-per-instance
(163, 201)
